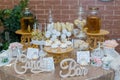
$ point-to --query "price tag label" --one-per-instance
(83, 57)
(49, 63)
(31, 52)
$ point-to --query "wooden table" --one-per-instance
(94, 38)
(95, 73)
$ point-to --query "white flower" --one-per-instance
(54, 36)
(54, 31)
(63, 36)
(52, 39)
(68, 34)
(64, 31)
(47, 35)
(58, 33)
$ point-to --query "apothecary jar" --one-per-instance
(93, 20)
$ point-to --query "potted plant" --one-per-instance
(10, 18)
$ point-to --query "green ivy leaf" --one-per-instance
(10, 19)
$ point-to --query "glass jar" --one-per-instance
(93, 20)
(50, 22)
(50, 16)
(27, 21)
(80, 22)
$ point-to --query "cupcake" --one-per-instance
(63, 46)
(48, 43)
(54, 47)
(83, 46)
(57, 42)
(69, 43)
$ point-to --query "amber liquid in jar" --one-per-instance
(27, 21)
(93, 24)
(27, 24)
(93, 20)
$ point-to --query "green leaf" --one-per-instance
(10, 18)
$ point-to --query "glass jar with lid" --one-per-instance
(80, 22)
(27, 21)
(50, 22)
(93, 20)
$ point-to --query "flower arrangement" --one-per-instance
(96, 61)
(15, 45)
(110, 43)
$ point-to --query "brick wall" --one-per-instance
(66, 10)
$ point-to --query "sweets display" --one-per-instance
(81, 45)
(80, 23)
(60, 26)
(37, 35)
(58, 35)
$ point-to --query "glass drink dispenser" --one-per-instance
(93, 20)
(27, 21)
